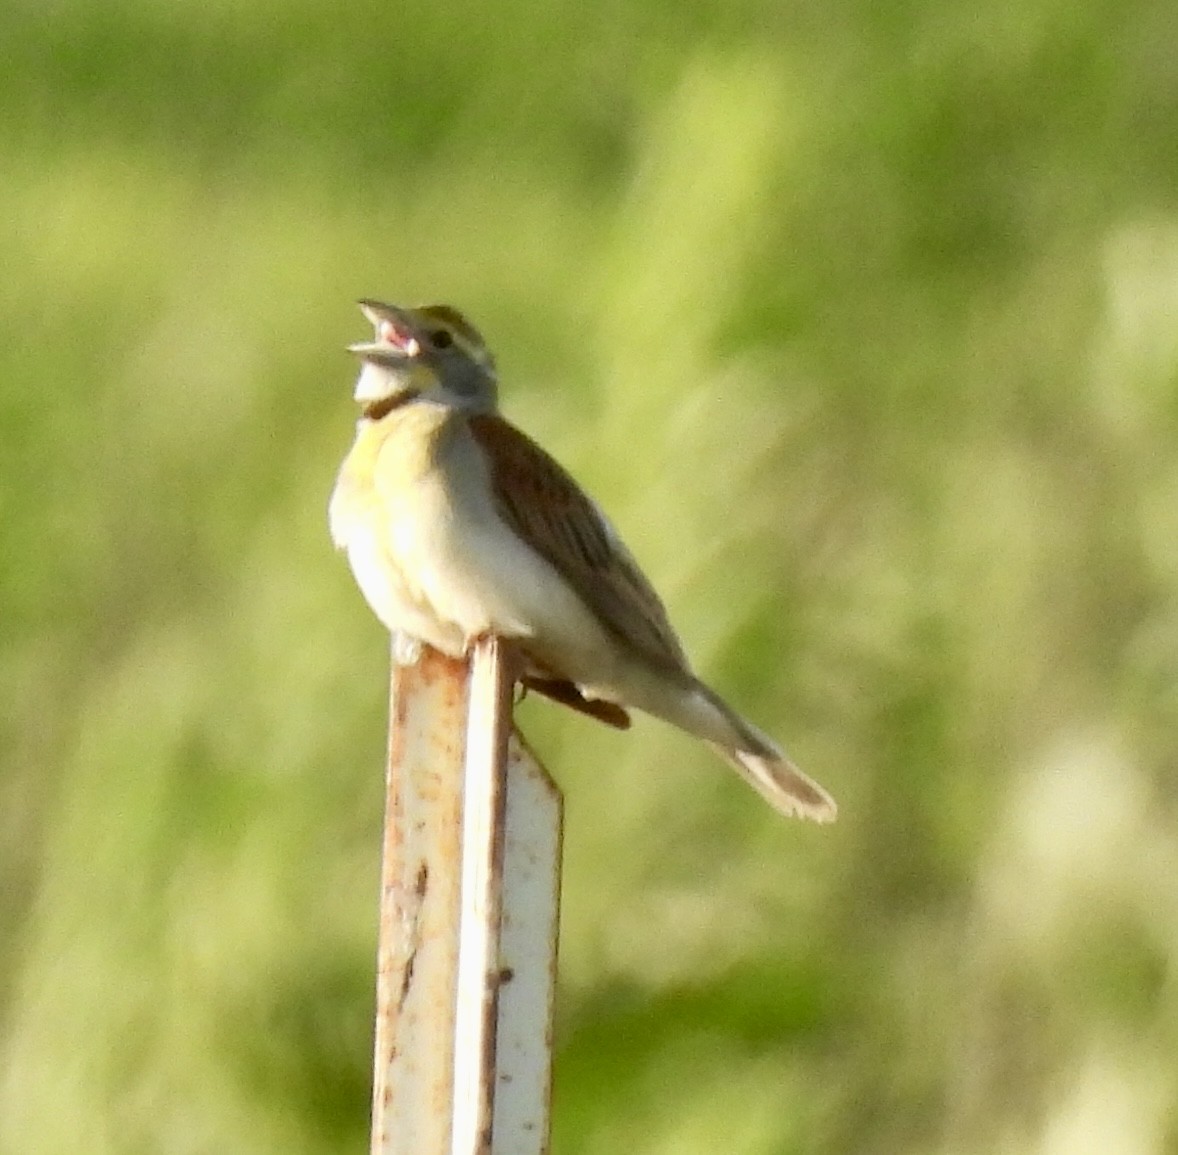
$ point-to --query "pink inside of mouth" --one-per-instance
(389, 334)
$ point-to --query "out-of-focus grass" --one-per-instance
(860, 320)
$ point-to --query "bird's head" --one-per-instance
(431, 351)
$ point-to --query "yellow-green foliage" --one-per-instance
(862, 321)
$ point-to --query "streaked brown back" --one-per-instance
(542, 503)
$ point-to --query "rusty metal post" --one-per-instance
(468, 928)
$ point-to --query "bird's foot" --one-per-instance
(406, 649)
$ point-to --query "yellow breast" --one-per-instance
(392, 494)
(388, 461)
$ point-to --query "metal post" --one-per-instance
(468, 928)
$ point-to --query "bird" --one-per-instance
(458, 526)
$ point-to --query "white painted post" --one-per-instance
(470, 884)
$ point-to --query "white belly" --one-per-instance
(479, 577)
(435, 562)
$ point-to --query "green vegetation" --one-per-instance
(862, 321)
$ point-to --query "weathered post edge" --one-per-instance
(469, 904)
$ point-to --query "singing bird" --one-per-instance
(457, 525)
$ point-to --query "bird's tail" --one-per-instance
(758, 759)
(783, 785)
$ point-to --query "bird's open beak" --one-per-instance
(393, 343)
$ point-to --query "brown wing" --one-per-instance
(546, 507)
(568, 694)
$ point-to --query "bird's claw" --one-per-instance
(406, 649)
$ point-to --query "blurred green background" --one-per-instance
(860, 318)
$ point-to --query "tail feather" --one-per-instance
(760, 761)
(783, 785)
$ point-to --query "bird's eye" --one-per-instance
(441, 339)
